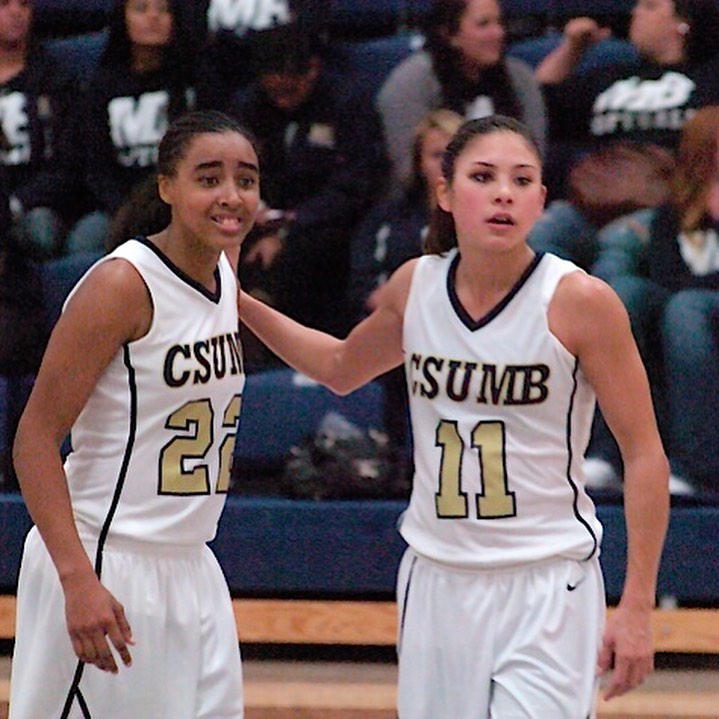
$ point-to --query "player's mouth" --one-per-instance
(228, 223)
(501, 220)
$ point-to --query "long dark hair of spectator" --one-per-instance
(442, 22)
(442, 234)
(179, 55)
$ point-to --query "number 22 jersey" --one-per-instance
(153, 446)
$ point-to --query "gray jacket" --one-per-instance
(412, 90)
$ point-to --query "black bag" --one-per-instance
(342, 461)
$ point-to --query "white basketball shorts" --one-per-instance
(185, 660)
(520, 643)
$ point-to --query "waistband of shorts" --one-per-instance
(521, 567)
(136, 546)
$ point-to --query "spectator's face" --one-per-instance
(432, 148)
(288, 90)
(15, 21)
(654, 26)
(480, 35)
(149, 22)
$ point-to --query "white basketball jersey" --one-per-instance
(153, 447)
(501, 416)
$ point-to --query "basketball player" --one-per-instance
(500, 592)
(145, 368)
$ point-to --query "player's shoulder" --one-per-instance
(112, 288)
(579, 288)
(583, 306)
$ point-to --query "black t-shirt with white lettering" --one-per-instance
(123, 119)
(642, 102)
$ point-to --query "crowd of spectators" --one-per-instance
(346, 174)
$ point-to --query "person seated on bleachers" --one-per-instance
(643, 105)
(35, 101)
(664, 264)
(463, 68)
(149, 73)
(392, 233)
(22, 333)
(394, 230)
(229, 26)
(323, 165)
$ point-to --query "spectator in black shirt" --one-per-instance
(35, 105)
(323, 163)
(149, 74)
(645, 103)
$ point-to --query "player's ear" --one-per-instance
(163, 189)
(443, 196)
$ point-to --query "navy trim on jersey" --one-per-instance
(132, 429)
(463, 315)
(83, 705)
(212, 296)
(405, 602)
(570, 457)
(74, 691)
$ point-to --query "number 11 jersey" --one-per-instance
(501, 417)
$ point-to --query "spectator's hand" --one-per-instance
(270, 219)
(626, 651)
(93, 616)
(265, 250)
(583, 32)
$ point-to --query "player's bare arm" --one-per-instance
(592, 322)
(373, 347)
(87, 336)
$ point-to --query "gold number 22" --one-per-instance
(196, 419)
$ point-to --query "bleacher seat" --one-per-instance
(59, 277)
(4, 413)
(366, 63)
(281, 407)
(57, 18)
(78, 54)
(366, 16)
(607, 52)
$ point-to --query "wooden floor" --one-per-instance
(344, 690)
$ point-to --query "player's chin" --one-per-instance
(225, 237)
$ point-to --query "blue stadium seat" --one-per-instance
(281, 407)
(78, 55)
(366, 63)
(366, 16)
(609, 51)
(4, 414)
(59, 277)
